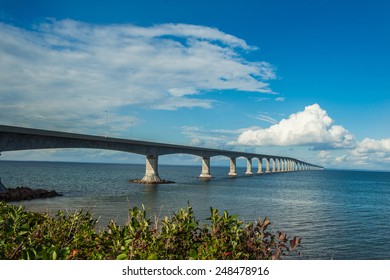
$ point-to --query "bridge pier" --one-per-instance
(248, 166)
(205, 168)
(151, 171)
(273, 165)
(233, 171)
(267, 164)
(260, 166)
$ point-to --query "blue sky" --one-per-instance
(306, 78)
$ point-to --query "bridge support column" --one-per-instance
(260, 166)
(232, 171)
(205, 168)
(248, 166)
(278, 166)
(273, 165)
(151, 172)
(267, 160)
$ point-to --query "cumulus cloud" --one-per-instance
(311, 127)
(62, 71)
(369, 151)
(373, 146)
(368, 154)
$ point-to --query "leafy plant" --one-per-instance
(27, 235)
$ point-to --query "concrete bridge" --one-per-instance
(18, 138)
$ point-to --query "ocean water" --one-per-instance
(338, 214)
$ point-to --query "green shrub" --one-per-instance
(27, 235)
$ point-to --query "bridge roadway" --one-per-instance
(14, 138)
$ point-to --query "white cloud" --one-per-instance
(174, 103)
(211, 138)
(373, 146)
(280, 99)
(311, 127)
(367, 154)
(370, 151)
(326, 158)
(324, 154)
(266, 119)
(66, 70)
(277, 99)
(341, 159)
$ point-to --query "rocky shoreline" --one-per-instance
(25, 193)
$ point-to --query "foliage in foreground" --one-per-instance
(27, 235)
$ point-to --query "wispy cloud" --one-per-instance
(278, 99)
(211, 138)
(266, 118)
(64, 71)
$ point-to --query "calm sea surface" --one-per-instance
(338, 214)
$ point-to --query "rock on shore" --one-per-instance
(25, 193)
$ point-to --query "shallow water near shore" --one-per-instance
(338, 214)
